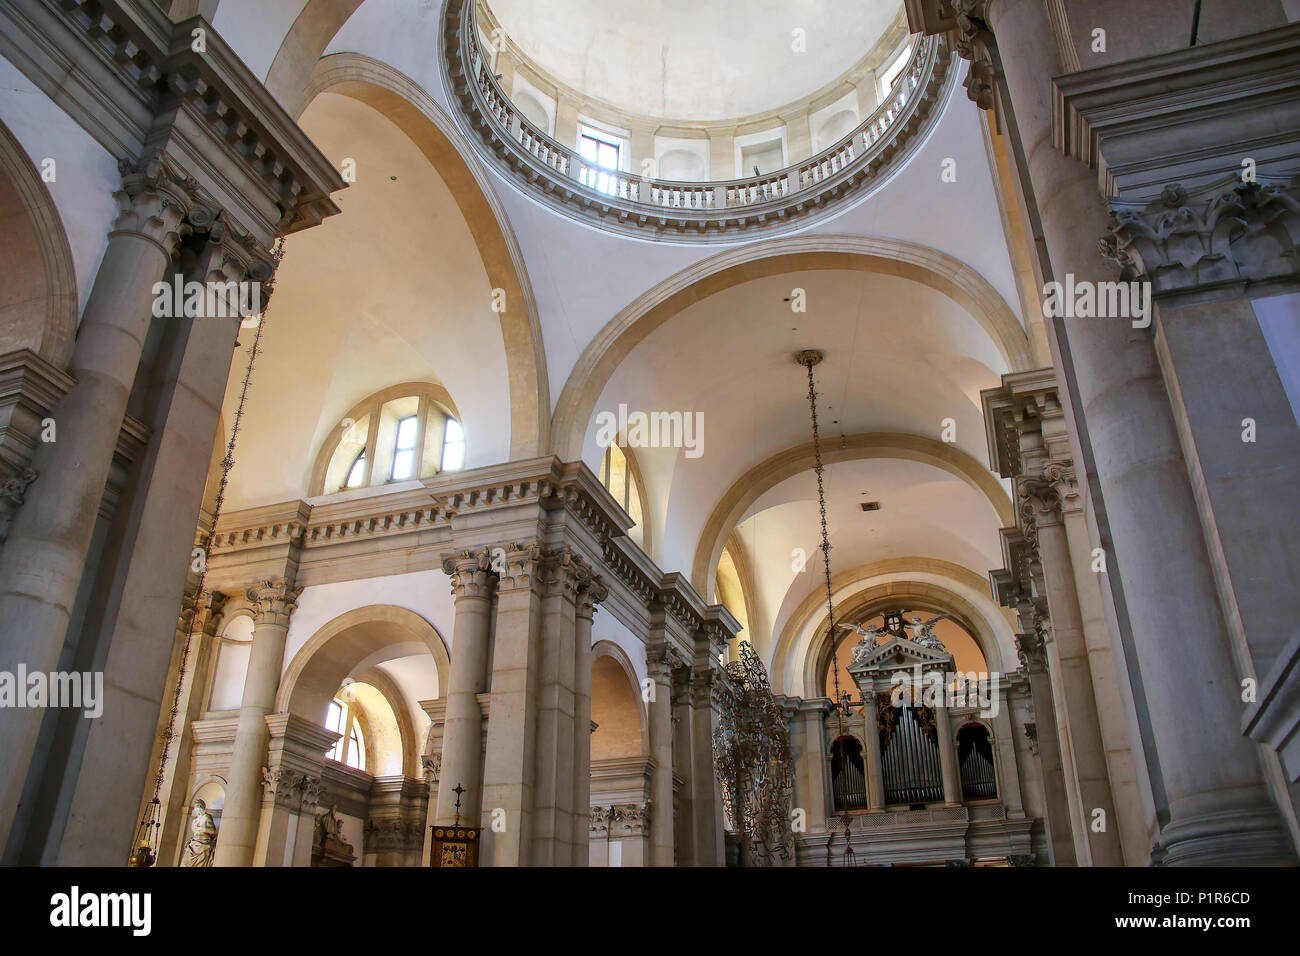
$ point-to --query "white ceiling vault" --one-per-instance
(687, 60)
(392, 289)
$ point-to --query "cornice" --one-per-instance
(143, 89)
(1188, 115)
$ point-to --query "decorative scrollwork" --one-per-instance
(754, 763)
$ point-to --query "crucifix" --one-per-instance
(457, 790)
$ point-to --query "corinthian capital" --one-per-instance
(154, 201)
(469, 573)
(1060, 474)
(273, 602)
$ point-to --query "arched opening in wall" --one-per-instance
(38, 285)
(620, 768)
(403, 432)
(977, 764)
(236, 644)
(621, 475)
(532, 110)
(370, 738)
(848, 775)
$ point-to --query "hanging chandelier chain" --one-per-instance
(809, 359)
(168, 734)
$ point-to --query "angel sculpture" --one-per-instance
(922, 632)
(866, 645)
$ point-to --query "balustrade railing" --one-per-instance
(584, 180)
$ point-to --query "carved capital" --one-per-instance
(1226, 234)
(431, 764)
(520, 565)
(469, 572)
(154, 201)
(290, 788)
(599, 821)
(273, 602)
(661, 660)
(591, 592)
(1032, 653)
(630, 819)
(12, 493)
(391, 834)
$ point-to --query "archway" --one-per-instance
(38, 286)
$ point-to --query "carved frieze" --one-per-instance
(273, 602)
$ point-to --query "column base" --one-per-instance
(1227, 838)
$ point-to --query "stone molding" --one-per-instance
(469, 573)
(630, 819)
(290, 788)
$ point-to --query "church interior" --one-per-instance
(751, 433)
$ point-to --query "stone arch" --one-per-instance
(750, 486)
(315, 26)
(610, 650)
(411, 742)
(929, 267)
(339, 646)
(796, 657)
(408, 107)
(38, 285)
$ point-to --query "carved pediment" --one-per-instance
(899, 653)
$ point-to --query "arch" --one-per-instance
(316, 672)
(766, 475)
(937, 270)
(388, 688)
(38, 285)
(408, 107)
(918, 593)
(315, 26)
(608, 649)
(430, 390)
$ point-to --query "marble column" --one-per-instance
(872, 757)
(1209, 787)
(1033, 662)
(462, 732)
(1072, 688)
(43, 558)
(273, 603)
(660, 660)
(509, 768)
(947, 757)
(556, 744)
(591, 593)
(706, 801)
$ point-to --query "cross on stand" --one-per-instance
(457, 790)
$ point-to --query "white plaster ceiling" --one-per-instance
(391, 291)
(687, 60)
(900, 357)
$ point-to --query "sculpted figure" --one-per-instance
(203, 837)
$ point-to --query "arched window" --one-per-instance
(350, 748)
(404, 432)
(620, 473)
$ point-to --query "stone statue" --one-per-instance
(923, 633)
(203, 837)
(864, 646)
